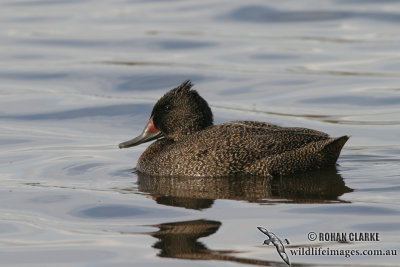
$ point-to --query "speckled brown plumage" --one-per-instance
(193, 146)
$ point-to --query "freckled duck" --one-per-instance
(190, 145)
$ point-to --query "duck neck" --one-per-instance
(188, 130)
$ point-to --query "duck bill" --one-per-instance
(149, 133)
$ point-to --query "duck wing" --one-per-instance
(265, 149)
(312, 156)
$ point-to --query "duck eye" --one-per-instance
(167, 108)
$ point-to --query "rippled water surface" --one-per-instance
(79, 77)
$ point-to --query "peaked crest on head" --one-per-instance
(184, 87)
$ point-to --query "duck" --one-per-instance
(189, 144)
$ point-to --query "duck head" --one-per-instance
(180, 112)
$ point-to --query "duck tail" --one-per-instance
(331, 150)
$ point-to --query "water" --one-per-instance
(79, 77)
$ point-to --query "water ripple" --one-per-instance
(271, 15)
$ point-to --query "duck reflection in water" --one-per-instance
(200, 192)
(179, 240)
